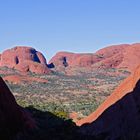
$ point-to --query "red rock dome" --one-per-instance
(117, 56)
(24, 59)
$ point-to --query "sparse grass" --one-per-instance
(50, 103)
(82, 93)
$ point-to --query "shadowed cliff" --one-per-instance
(119, 121)
(17, 123)
(13, 118)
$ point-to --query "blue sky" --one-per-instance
(68, 25)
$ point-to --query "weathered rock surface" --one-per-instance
(119, 116)
(13, 119)
(24, 59)
(118, 56)
(28, 59)
(67, 59)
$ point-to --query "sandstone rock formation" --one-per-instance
(118, 56)
(119, 116)
(67, 59)
(28, 59)
(13, 119)
(24, 59)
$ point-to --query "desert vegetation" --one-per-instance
(63, 94)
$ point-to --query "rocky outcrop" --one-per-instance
(112, 50)
(28, 59)
(117, 56)
(13, 119)
(131, 57)
(67, 59)
(24, 59)
(119, 116)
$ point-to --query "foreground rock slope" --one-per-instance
(13, 119)
(119, 116)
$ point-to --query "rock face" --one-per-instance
(24, 59)
(13, 119)
(28, 59)
(67, 59)
(119, 116)
(117, 56)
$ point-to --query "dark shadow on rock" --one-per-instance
(121, 121)
(17, 123)
(51, 65)
(13, 118)
(51, 127)
(64, 59)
